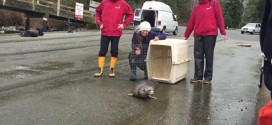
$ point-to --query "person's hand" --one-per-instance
(156, 38)
(184, 38)
(120, 26)
(137, 51)
(224, 37)
(101, 26)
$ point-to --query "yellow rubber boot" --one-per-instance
(113, 62)
(101, 63)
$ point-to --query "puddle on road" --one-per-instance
(53, 66)
(19, 74)
(22, 72)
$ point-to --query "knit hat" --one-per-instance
(145, 26)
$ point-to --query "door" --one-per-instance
(257, 28)
(149, 16)
(137, 17)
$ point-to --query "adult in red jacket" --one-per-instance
(110, 18)
(205, 19)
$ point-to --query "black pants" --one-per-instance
(268, 74)
(204, 49)
(104, 45)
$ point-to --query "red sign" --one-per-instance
(79, 11)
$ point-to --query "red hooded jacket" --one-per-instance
(205, 19)
(265, 114)
(110, 13)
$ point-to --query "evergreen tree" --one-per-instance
(252, 11)
(232, 11)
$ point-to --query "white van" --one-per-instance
(159, 15)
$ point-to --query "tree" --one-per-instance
(252, 11)
(232, 11)
(181, 8)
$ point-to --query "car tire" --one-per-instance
(163, 30)
(176, 31)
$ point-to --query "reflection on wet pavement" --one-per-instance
(53, 65)
(19, 74)
(200, 104)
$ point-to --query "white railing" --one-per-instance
(56, 6)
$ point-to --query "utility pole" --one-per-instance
(33, 5)
(193, 5)
(58, 7)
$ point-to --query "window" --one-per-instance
(174, 17)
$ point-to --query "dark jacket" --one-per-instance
(110, 13)
(266, 43)
(266, 30)
(205, 19)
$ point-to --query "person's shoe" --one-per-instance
(195, 80)
(101, 63)
(111, 74)
(99, 72)
(133, 76)
(133, 73)
(145, 75)
(207, 81)
(113, 62)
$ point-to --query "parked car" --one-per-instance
(251, 28)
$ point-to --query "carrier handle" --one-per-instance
(183, 61)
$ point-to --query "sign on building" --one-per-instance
(92, 10)
(93, 5)
(79, 11)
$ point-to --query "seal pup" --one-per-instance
(144, 89)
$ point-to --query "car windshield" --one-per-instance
(251, 25)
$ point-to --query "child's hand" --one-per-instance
(137, 51)
(156, 38)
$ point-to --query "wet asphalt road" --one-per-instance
(49, 80)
